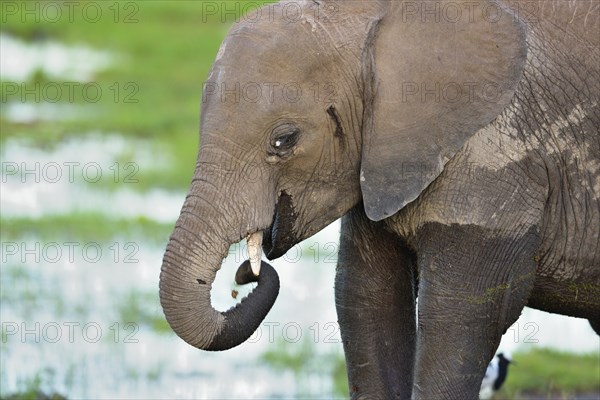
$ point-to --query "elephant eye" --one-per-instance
(284, 138)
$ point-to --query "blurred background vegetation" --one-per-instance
(164, 48)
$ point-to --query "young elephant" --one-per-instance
(459, 140)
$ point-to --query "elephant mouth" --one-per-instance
(280, 236)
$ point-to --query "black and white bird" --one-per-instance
(495, 375)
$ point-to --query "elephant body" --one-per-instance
(478, 206)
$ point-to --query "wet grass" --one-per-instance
(162, 51)
(303, 360)
(539, 373)
(23, 290)
(36, 387)
(144, 310)
(86, 227)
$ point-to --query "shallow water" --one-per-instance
(66, 70)
(21, 60)
(28, 113)
(65, 316)
(73, 175)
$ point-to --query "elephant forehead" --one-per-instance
(247, 68)
(263, 56)
(293, 36)
(243, 110)
(248, 75)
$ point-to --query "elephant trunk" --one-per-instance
(193, 256)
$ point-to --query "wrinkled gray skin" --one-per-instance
(482, 202)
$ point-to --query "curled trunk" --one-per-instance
(194, 255)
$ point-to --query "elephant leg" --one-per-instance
(473, 284)
(375, 300)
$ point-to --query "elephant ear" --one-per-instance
(432, 80)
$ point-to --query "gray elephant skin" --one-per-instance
(458, 140)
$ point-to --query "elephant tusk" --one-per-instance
(254, 242)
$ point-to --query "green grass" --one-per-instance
(539, 372)
(33, 388)
(82, 227)
(302, 359)
(143, 309)
(548, 372)
(160, 60)
(166, 54)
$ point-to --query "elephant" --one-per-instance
(459, 143)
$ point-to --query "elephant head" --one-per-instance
(304, 117)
